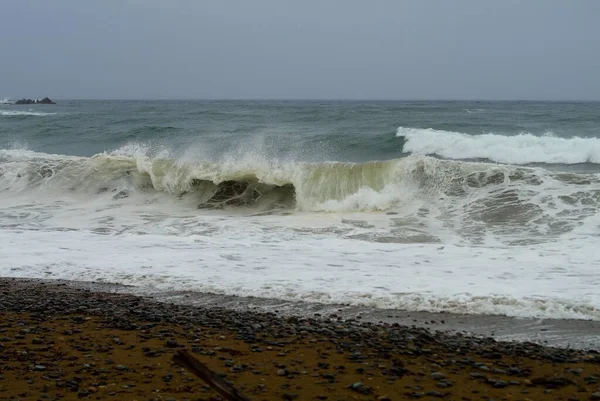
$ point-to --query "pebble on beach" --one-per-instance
(64, 342)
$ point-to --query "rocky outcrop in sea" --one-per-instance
(45, 100)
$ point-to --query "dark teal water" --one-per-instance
(299, 130)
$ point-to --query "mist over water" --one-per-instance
(380, 204)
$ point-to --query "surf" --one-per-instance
(524, 148)
(490, 192)
(324, 186)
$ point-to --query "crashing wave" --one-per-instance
(326, 186)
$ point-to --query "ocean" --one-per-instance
(483, 208)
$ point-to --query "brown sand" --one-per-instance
(52, 356)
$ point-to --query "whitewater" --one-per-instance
(311, 202)
(523, 148)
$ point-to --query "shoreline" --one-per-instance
(66, 341)
(561, 333)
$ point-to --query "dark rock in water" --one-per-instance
(45, 100)
(25, 101)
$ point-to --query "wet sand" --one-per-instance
(60, 341)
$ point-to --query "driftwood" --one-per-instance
(187, 361)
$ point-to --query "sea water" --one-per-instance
(463, 207)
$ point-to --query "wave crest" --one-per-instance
(495, 195)
(328, 186)
(518, 149)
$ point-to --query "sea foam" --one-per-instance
(415, 233)
(517, 149)
(14, 113)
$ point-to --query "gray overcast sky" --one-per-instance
(396, 49)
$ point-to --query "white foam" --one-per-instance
(518, 149)
(338, 255)
(11, 113)
(520, 281)
(368, 199)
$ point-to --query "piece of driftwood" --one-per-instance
(187, 361)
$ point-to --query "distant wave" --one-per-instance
(518, 149)
(11, 113)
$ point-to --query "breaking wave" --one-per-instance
(327, 186)
(491, 193)
(518, 149)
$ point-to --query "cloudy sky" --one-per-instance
(345, 49)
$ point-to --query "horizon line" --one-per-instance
(314, 99)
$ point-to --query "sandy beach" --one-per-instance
(63, 342)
